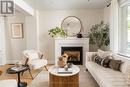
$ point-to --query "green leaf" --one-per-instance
(99, 34)
(57, 31)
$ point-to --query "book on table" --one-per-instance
(17, 68)
(63, 71)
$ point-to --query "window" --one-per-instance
(128, 29)
(124, 31)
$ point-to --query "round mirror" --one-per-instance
(72, 25)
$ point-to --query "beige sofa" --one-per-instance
(107, 77)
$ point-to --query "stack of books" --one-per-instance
(63, 71)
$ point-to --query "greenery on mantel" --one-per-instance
(57, 32)
(99, 35)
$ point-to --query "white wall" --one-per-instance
(2, 42)
(51, 19)
(15, 47)
(31, 32)
(107, 15)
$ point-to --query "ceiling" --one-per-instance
(67, 4)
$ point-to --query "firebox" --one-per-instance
(75, 54)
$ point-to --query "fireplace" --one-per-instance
(75, 54)
(62, 44)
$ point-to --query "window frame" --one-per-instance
(123, 31)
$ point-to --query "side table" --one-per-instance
(11, 70)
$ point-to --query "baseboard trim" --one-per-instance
(11, 61)
(14, 61)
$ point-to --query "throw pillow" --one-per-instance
(105, 62)
(33, 55)
(93, 57)
(98, 60)
(115, 64)
(104, 54)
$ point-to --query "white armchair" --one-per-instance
(36, 59)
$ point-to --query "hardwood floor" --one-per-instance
(26, 76)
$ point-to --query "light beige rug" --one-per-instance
(85, 79)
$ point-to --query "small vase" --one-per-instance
(79, 36)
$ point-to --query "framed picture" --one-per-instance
(17, 30)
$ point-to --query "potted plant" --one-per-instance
(99, 35)
(57, 32)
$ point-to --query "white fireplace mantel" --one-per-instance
(71, 42)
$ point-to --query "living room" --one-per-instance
(76, 35)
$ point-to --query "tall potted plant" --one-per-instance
(99, 35)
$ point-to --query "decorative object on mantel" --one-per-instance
(57, 32)
(79, 36)
(99, 35)
(72, 25)
(17, 30)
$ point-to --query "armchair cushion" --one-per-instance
(35, 64)
(35, 59)
(33, 55)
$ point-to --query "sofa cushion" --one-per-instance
(127, 76)
(106, 77)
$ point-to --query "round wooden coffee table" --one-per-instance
(64, 80)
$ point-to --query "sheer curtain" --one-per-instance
(114, 14)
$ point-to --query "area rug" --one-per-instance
(85, 79)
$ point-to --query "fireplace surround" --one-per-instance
(70, 42)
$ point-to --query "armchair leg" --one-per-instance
(22, 73)
(30, 73)
(46, 68)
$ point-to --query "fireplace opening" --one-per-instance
(75, 54)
